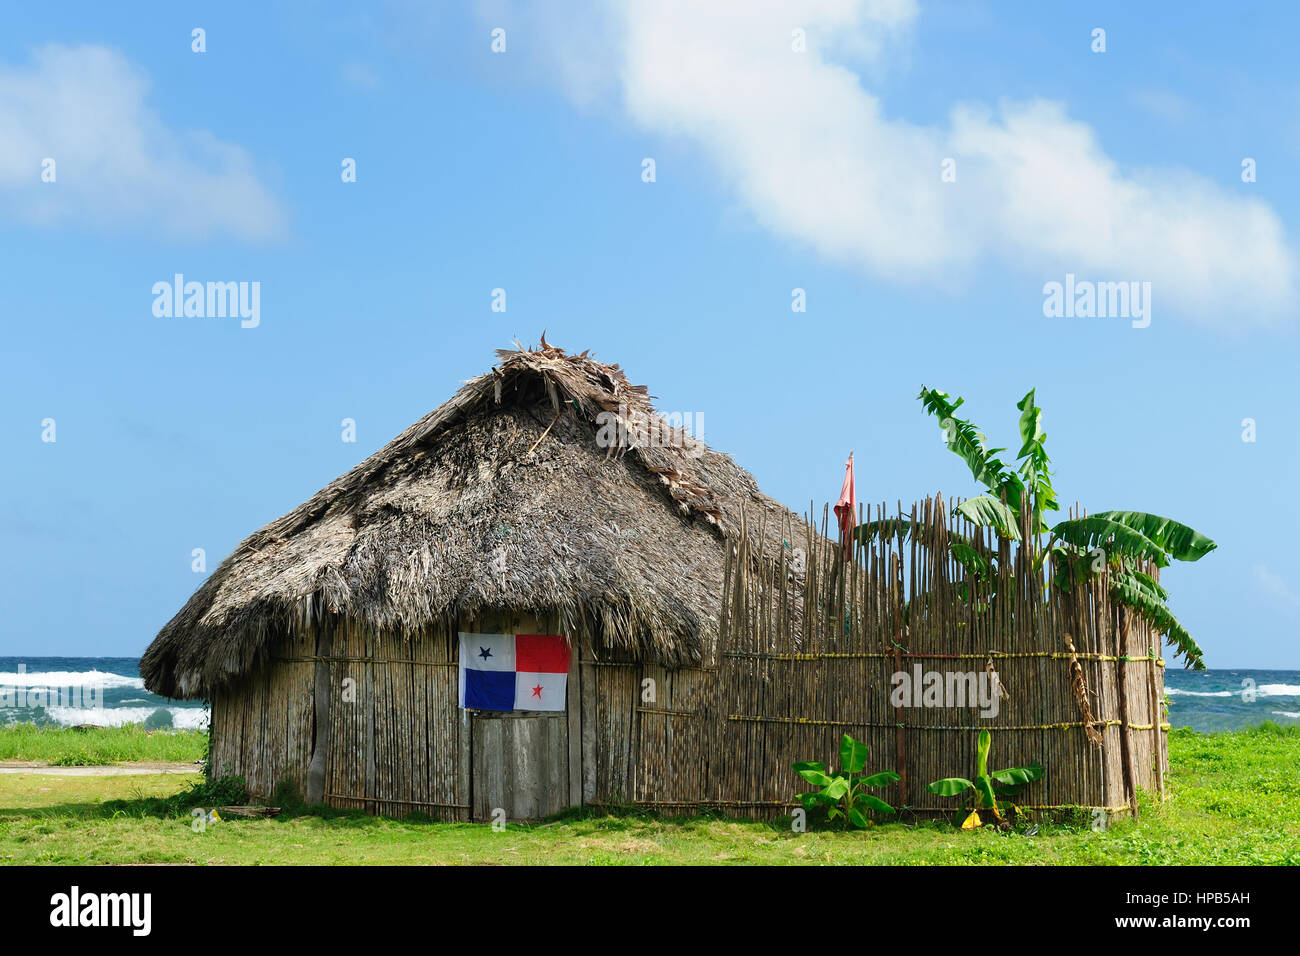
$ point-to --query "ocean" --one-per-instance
(108, 691)
(1231, 699)
(102, 691)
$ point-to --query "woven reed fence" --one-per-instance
(796, 667)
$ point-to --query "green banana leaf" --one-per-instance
(982, 754)
(1129, 590)
(813, 771)
(1178, 540)
(837, 788)
(900, 528)
(990, 512)
(1031, 429)
(853, 755)
(950, 786)
(1016, 776)
(967, 442)
(882, 779)
(976, 564)
(875, 803)
(813, 800)
(1035, 468)
(1099, 531)
(984, 789)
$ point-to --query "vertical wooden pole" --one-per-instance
(1157, 735)
(574, 705)
(900, 737)
(1126, 733)
(322, 692)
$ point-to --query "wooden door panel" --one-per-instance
(519, 764)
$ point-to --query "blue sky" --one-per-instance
(775, 169)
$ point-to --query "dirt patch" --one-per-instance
(113, 770)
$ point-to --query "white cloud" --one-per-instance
(816, 157)
(117, 163)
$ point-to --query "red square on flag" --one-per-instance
(541, 654)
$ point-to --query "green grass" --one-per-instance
(100, 746)
(1234, 799)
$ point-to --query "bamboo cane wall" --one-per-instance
(262, 728)
(806, 651)
(798, 668)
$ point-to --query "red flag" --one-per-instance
(846, 509)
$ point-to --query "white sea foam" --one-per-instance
(1288, 713)
(183, 718)
(47, 679)
(1279, 690)
(1200, 693)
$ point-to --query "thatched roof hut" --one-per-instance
(546, 487)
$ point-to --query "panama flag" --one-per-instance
(513, 671)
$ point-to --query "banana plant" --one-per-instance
(987, 786)
(844, 794)
(1120, 543)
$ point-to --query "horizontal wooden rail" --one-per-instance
(779, 804)
(989, 727)
(405, 803)
(362, 660)
(889, 655)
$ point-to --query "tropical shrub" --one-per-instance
(160, 719)
(844, 794)
(1121, 544)
(987, 786)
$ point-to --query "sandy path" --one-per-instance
(121, 769)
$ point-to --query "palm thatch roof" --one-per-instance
(499, 500)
